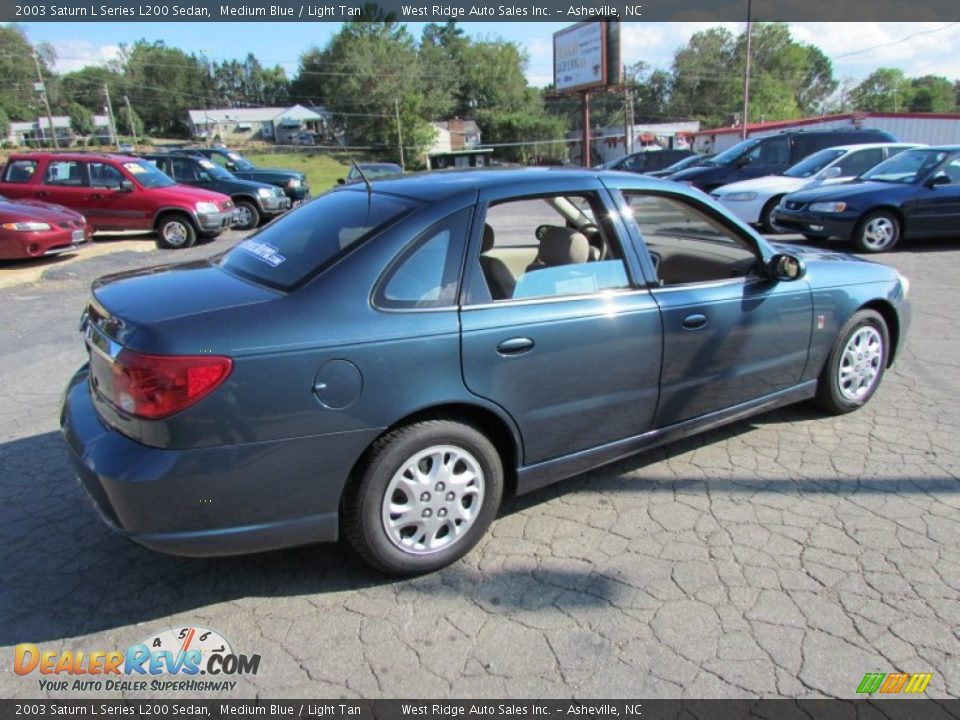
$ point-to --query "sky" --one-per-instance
(855, 48)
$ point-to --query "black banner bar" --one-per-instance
(570, 11)
(900, 709)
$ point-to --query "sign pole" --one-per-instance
(586, 130)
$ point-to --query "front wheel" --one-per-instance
(248, 217)
(877, 232)
(766, 216)
(856, 364)
(423, 497)
(175, 232)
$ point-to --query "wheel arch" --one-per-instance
(892, 209)
(892, 319)
(501, 432)
(163, 212)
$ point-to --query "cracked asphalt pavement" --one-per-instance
(786, 555)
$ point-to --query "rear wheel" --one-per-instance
(877, 232)
(424, 495)
(175, 232)
(248, 217)
(856, 364)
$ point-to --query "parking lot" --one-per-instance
(786, 555)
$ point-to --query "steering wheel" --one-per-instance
(595, 238)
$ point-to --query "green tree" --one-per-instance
(932, 93)
(81, 119)
(18, 96)
(441, 59)
(883, 90)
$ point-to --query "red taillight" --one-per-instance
(154, 386)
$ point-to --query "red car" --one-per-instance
(118, 192)
(30, 228)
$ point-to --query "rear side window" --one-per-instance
(20, 171)
(66, 173)
(859, 161)
(304, 242)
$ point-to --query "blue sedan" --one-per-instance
(915, 194)
(390, 360)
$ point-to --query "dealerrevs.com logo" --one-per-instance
(894, 683)
(173, 660)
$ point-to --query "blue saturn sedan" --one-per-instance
(915, 194)
(393, 358)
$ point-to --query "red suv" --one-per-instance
(116, 192)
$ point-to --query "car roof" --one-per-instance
(118, 157)
(869, 146)
(439, 184)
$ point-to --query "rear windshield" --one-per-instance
(305, 241)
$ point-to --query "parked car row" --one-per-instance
(182, 195)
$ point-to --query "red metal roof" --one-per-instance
(800, 122)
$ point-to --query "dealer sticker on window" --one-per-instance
(262, 251)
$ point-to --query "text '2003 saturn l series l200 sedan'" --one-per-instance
(392, 358)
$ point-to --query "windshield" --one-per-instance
(148, 174)
(303, 242)
(687, 162)
(241, 162)
(815, 163)
(215, 171)
(906, 167)
(734, 153)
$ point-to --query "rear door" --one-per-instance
(572, 352)
(64, 182)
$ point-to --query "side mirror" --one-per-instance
(341, 181)
(744, 161)
(937, 180)
(126, 186)
(784, 266)
(831, 172)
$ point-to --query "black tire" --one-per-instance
(175, 232)
(251, 211)
(831, 395)
(363, 507)
(766, 216)
(877, 232)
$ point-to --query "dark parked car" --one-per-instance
(294, 183)
(687, 162)
(646, 161)
(371, 170)
(254, 201)
(771, 155)
(388, 363)
(915, 194)
(119, 192)
(32, 228)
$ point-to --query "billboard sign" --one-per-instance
(580, 57)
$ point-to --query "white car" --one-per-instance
(753, 200)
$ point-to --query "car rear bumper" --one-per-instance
(809, 223)
(222, 500)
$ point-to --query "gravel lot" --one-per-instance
(782, 556)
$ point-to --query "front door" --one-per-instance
(935, 211)
(730, 334)
(110, 207)
(554, 329)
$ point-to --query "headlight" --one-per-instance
(828, 207)
(293, 183)
(739, 197)
(265, 192)
(27, 226)
(207, 207)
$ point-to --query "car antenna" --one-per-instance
(353, 162)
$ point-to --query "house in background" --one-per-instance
(284, 126)
(457, 145)
(38, 131)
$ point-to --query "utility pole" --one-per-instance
(114, 138)
(133, 128)
(396, 106)
(627, 108)
(585, 157)
(746, 76)
(46, 101)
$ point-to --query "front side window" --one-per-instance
(951, 171)
(103, 175)
(185, 171)
(300, 244)
(686, 244)
(544, 247)
(426, 274)
(64, 173)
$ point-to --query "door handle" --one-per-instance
(695, 321)
(96, 196)
(42, 193)
(515, 346)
